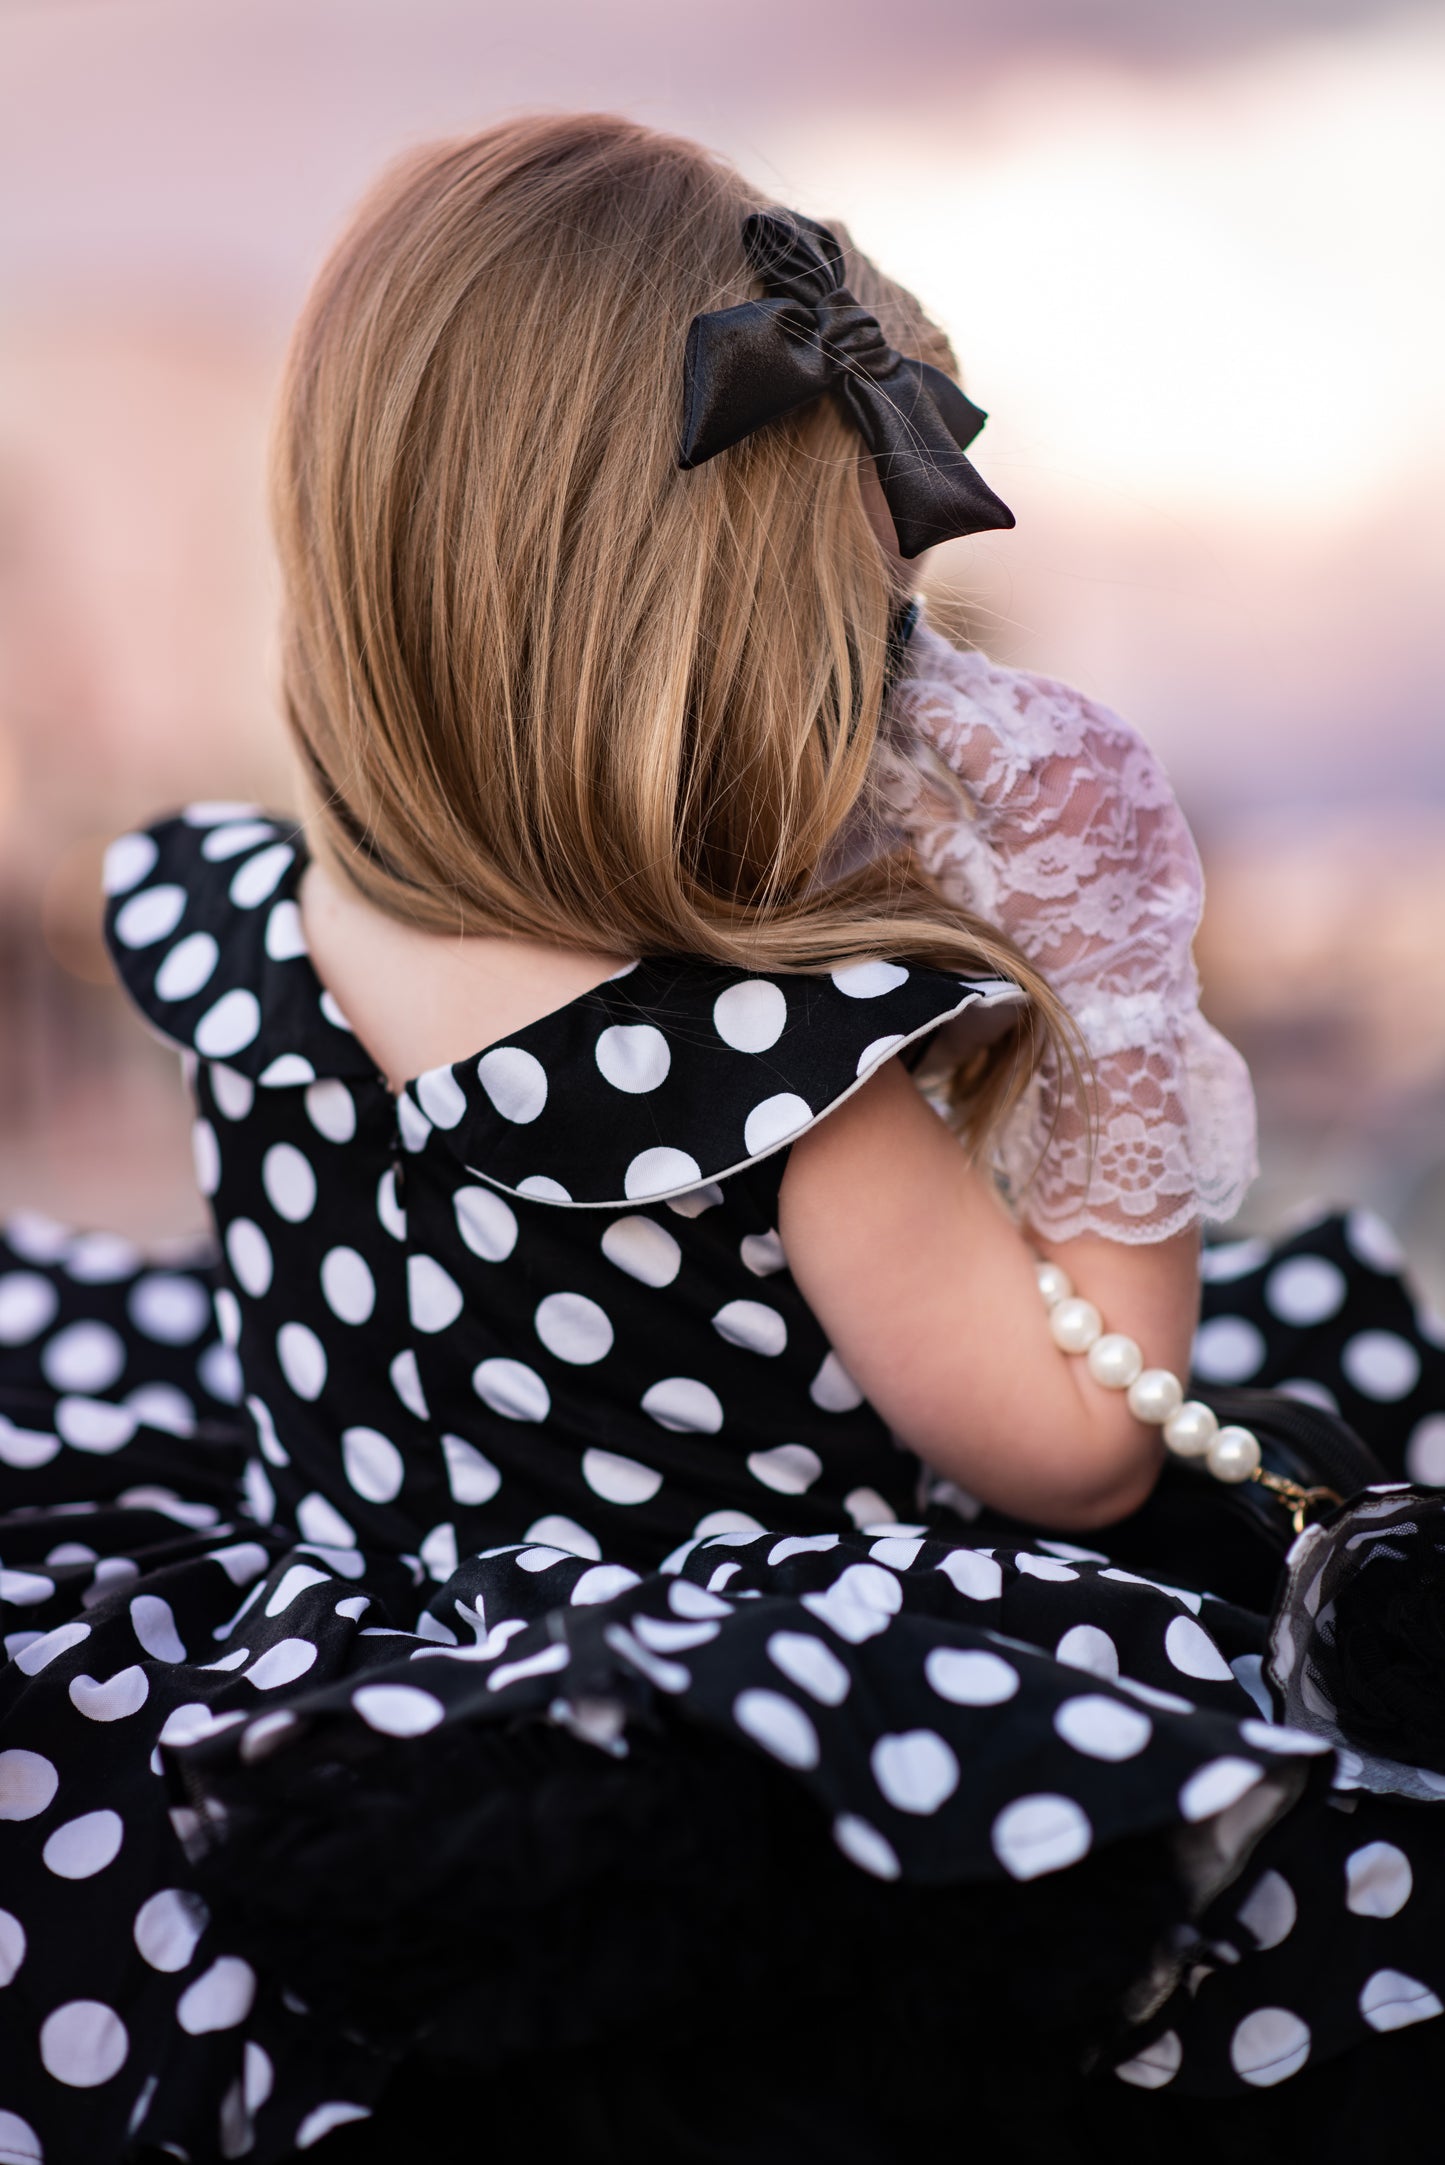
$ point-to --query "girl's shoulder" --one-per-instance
(674, 1073)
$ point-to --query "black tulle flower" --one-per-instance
(1381, 1656)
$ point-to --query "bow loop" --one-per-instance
(753, 363)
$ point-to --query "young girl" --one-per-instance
(603, 1690)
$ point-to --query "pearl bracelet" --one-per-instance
(1155, 1395)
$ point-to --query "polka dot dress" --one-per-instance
(496, 1426)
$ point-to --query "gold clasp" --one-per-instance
(1296, 1500)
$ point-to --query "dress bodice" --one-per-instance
(540, 1293)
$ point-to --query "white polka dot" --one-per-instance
(865, 1846)
(188, 968)
(555, 1531)
(259, 1494)
(319, 1521)
(101, 1258)
(969, 1676)
(12, 1954)
(234, 1094)
(619, 1480)
(1088, 1647)
(220, 1998)
(26, 1448)
(25, 1589)
(1227, 1349)
(231, 834)
(762, 1254)
(289, 1182)
(779, 1725)
(543, 1190)
(752, 1325)
(441, 1097)
(1425, 1451)
(979, 1577)
(603, 1583)
(249, 1254)
(1036, 1835)
(331, 1109)
(859, 1604)
(28, 1303)
(1218, 1784)
(84, 1846)
(472, 1477)
(1193, 1652)
(127, 861)
(1309, 1393)
(644, 1249)
(348, 1286)
(510, 1387)
(297, 1580)
(833, 1389)
(1381, 1365)
(868, 980)
(515, 1082)
(776, 1120)
(1232, 1259)
(388, 1207)
(633, 1057)
(813, 1667)
(153, 1621)
(405, 1377)
(398, 1710)
(1270, 1910)
(40, 1653)
(788, 1468)
(285, 933)
(161, 1405)
(433, 1297)
(27, 1783)
(655, 1172)
(695, 1201)
(325, 2119)
(1269, 2046)
(229, 1026)
(573, 1328)
(1269, 1736)
(303, 1360)
(119, 1696)
(720, 1525)
(331, 1009)
(1049, 1568)
(1373, 1241)
(281, 1664)
(487, 1225)
(1305, 1289)
(83, 1357)
(681, 1402)
(1102, 1728)
(1156, 2065)
(206, 1157)
(412, 1125)
(752, 1015)
(881, 1049)
(1378, 1880)
(1391, 2001)
(169, 1308)
(373, 1464)
(150, 916)
(916, 1772)
(83, 2044)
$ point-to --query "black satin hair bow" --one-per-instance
(752, 364)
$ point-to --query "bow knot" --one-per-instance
(748, 365)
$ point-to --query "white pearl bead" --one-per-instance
(1155, 1396)
(1075, 1324)
(1233, 1455)
(1054, 1283)
(1115, 1361)
(1191, 1430)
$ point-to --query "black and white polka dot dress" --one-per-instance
(509, 1599)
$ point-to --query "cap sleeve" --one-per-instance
(204, 929)
(677, 1073)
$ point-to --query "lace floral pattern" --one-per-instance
(1052, 819)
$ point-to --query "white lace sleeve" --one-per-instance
(1052, 819)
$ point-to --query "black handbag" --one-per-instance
(1231, 1538)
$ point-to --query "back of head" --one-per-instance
(542, 680)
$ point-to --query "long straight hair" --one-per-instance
(542, 681)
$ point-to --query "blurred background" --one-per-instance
(1190, 257)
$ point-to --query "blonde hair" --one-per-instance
(542, 681)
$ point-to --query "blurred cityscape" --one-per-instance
(1187, 267)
